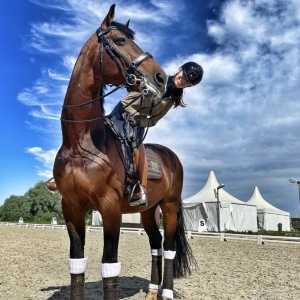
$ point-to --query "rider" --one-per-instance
(143, 111)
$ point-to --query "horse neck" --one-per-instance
(83, 86)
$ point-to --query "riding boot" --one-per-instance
(139, 191)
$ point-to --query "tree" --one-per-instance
(37, 205)
(15, 207)
(44, 205)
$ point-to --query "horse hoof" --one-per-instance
(151, 295)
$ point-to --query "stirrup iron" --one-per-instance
(143, 199)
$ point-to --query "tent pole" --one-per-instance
(218, 205)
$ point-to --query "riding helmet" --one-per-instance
(193, 72)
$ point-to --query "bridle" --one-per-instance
(132, 75)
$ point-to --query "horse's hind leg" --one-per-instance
(169, 211)
(155, 239)
(175, 243)
(75, 221)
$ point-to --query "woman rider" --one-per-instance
(143, 112)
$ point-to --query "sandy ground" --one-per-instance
(34, 265)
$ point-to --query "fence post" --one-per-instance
(222, 237)
(259, 239)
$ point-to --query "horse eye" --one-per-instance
(120, 41)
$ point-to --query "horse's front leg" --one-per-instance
(155, 239)
(75, 221)
(111, 268)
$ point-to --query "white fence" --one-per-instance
(223, 236)
(260, 239)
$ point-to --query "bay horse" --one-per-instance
(89, 172)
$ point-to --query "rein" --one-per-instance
(93, 100)
(86, 103)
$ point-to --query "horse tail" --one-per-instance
(184, 259)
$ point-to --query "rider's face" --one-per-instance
(180, 80)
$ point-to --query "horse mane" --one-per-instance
(123, 28)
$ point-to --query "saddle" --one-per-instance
(123, 134)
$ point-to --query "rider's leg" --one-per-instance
(141, 163)
(140, 197)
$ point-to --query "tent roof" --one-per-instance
(263, 205)
(207, 193)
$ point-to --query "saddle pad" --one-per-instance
(154, 165)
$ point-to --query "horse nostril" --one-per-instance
(159, 79)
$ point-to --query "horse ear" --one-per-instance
(127, 23)
(109, 17)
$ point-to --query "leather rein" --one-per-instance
(132, 75)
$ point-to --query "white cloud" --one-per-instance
(69, 62)
(45, 113)
(44, 157)
(57, 76)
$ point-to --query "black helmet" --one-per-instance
(193, 72)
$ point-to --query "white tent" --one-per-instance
(234, 214)
(268, 215)
(96, 218)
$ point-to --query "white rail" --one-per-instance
(260, 239)
(223, 236)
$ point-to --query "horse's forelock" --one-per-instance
(126, 30)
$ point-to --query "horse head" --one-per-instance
(138, 69)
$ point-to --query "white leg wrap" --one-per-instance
(78, 265)
(110, 270)
(154, 287)
(167, 293)
(169, 254)
(156, 252)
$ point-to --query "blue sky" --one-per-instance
(242, 121)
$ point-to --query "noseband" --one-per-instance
(131, 74)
